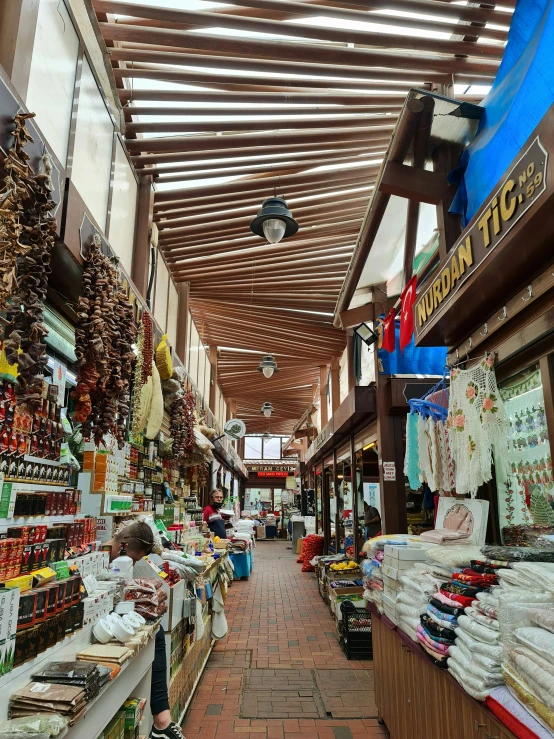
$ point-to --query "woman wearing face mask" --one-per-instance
(213, 517)
(139, 542)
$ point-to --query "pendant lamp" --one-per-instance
(274, 221)
(268, 366)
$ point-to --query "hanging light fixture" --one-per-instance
(268, 366)
(266, 435)
(274, 221)
(267, 409)
(366, 334)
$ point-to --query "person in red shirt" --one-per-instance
(213, 517)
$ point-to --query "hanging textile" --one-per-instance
(411, 462)
(407, 299)
(478, 423)
(389, 333)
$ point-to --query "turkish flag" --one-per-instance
(407, 300)
(389, 342)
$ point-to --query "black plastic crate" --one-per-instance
(356, 632)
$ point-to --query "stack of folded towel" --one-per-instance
(476, 656)
(528, 666)
(416, 588)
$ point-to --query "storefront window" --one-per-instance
(526, 489)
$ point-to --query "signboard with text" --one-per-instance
(519, 190)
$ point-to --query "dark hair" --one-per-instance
(214, 491)
(138, 537)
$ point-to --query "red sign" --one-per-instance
(274, 473)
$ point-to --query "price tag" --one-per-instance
(389, 472)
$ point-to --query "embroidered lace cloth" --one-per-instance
(478, 423)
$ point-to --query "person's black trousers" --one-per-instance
(159, 698)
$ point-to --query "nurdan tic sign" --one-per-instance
(525, 183)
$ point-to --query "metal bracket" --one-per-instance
(530, 291)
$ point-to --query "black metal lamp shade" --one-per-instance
(274, 209)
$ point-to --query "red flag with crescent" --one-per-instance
(407, 300)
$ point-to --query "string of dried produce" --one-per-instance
(103, 337)
(25, 329)
(12, 198)
(181, 405)
(143, 384)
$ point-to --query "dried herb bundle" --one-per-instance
(26, 330)
(12, 199)
(104, 338)
(181, 405)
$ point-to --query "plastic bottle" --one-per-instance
(122, 566)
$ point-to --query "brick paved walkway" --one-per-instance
(271, 676)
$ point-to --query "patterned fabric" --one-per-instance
(424, 638)
(440, 606)
(411, 460)
(436, 630)
(478, 422)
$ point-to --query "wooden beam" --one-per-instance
(143, 233)
(323, 372)
(335, 384)
(329, 10)
(445, 159)
(183, 291)
(420, 150)
(416, 184)
(371, 38)
(428, 66)
(355, 316)
(205, 61)
(213, 378)
(243, 140)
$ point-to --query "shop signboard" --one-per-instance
(518, 191)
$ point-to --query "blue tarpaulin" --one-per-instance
(416, 360)
(522, 93)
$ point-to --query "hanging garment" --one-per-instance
(478, 424)
(424, 459)
(411, 461)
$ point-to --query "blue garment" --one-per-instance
(442, 615)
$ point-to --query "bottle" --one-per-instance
(122, 566)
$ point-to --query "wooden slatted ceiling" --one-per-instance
(227, 106)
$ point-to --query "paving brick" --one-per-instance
(282, 662)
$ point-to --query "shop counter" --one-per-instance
(417, 700)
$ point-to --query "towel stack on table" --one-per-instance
(474, 660)
(527, 629)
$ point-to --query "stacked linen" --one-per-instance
(397, 563)
(373, 566)
(528, 665)
(515, 715)
(416, 588)
(475, 658)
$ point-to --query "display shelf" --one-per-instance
(37, 520)
(200, 673)
(40, 460)
(31, 487)
(102, 709)
(21, 675)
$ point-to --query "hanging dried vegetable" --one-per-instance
(103, 337)
(25, 329)
(143, 383)
(181, 404)
(12, 199)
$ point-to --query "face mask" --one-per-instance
(217, 504)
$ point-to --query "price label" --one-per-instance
(389, 472)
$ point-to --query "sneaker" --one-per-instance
(170, 732)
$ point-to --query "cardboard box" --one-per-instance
(410, 553)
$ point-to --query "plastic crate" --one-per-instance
(356, 632)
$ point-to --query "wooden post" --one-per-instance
(18, 25)
(391, 449)
(350, 344)
(323, 371)
(183, 290)
(143, 233)
(335, 384)
(354, 493)
(213, 378)
(445, 158)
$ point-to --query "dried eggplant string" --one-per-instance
(181, 404)
(37, 235)
(142, 387)
(104, 336)
(12, 205)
